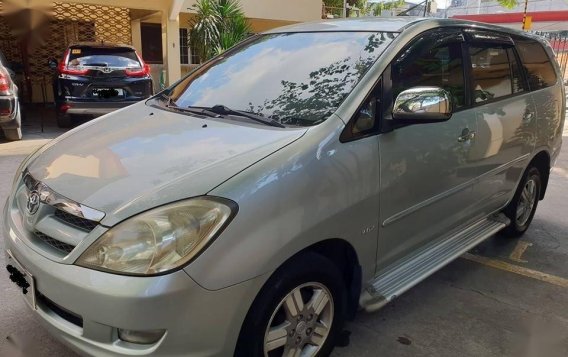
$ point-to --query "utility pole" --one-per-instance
(344, 8)
(526, 26)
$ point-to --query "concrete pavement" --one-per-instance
(505, 298)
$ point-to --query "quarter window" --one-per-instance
(491, 73)
(425, 63)
(537, 65)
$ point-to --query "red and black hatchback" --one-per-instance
(95, 79)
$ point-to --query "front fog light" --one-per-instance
(141, 337)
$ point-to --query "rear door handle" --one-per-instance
(466, 135)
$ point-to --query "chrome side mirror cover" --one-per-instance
(423, 105)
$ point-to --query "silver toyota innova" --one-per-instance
(310, 171)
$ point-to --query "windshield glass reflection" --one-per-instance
(295, 78)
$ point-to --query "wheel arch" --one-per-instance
(341, 253)
(542, 162)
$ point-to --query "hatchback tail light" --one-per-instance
(4, 83)
(63, 68)
(143, 71)
(138, 72)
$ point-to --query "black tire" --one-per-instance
(64, 121)
(13, 134)
(518, 227)
(305, 268)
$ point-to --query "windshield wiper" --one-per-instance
(171, 104)
(224, 110)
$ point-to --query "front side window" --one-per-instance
(294, 78)
(426, 62)
(491, 73)
(537, 64)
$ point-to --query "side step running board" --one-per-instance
(403, 275)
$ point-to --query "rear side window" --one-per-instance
(519, 84)
(103, 57)
(492, 74)
(540, 71)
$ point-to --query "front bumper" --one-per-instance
(198, 322)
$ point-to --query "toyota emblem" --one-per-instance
(33, 202)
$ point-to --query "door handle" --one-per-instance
(466, 135)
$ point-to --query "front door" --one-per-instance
(426, 181)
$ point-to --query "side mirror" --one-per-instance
(420, 105)
(52, 63)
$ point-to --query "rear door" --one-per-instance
(104, 74)
(426, 182)
(506, 119)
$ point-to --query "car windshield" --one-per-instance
(293, 78)
(103, 57)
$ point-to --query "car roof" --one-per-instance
(386, 24)
(391, 24)
(101, 45)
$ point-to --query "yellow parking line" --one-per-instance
(529, 273)
(517, 253)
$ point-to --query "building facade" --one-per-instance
(33, 31)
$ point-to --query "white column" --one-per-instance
(170, 48)
(136, 35)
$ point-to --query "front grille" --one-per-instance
(81, 223)
(60, 311)
(54, 243)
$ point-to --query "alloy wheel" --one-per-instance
(301, 323)
(527, 201)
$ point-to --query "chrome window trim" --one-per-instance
(52, 198)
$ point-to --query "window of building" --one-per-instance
(151, 43)
(193, 55)
(188, 55)
(491, 73)
(183, 46)
(537, 65)
(425, 63)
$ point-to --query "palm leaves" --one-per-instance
(509, 4)
(217, 26)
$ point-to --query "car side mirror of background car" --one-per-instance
(52, 63)
(420, 105)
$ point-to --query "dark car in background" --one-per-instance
(94, 79)
(10, 116)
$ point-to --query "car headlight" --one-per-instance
(161, 239)
(23, 165)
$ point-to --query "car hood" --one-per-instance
(141, 157)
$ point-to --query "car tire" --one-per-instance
(309, 277)
(13, 134)
(522, 207)
(64, 121)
